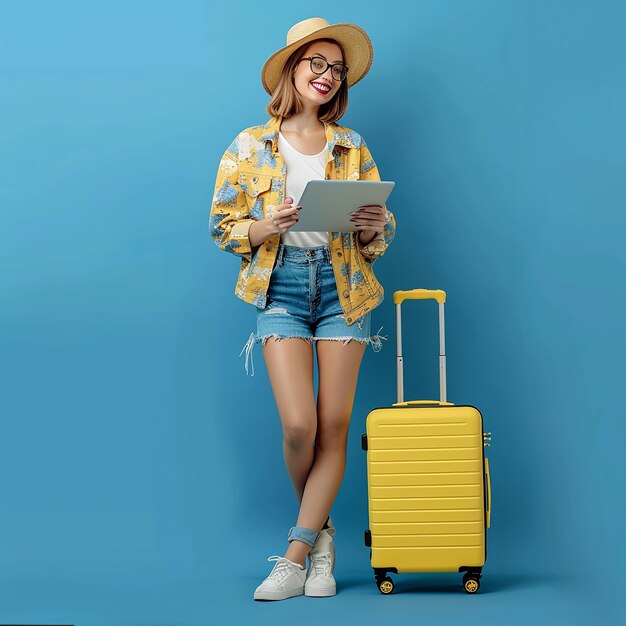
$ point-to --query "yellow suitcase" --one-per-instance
(429, 491)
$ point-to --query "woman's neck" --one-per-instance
(303, 123)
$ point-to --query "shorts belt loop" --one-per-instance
(280, 255)
(306, 535)
(248, 348)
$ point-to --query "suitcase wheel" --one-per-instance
(385, 585)
(471, 583)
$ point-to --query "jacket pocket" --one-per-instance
(254, 184)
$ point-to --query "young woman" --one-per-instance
(309, 288)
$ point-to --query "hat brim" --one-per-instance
(359, 53)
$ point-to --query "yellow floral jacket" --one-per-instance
(251, 183)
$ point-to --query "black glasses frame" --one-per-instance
(344, 73)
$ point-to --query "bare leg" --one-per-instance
(289, 363)
(338, 374)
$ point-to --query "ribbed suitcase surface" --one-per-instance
(426, 488)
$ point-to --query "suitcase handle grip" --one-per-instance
(419, 294)
(438, 402)
(488, 492)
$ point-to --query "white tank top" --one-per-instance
(301, 168)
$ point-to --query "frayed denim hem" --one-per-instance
(374, 341)
(249, 346)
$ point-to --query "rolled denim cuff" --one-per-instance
(306, 535)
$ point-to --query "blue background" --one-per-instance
(142, 478)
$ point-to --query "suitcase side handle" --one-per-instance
(419, 294)
(488, 492)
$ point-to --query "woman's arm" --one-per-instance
(229, 220)
(373, 243)
(260, 231)
(230, 223)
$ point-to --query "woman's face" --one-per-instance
(310, 85)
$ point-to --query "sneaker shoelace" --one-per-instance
(321, 563)
(281, 569)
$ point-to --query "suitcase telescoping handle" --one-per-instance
(421, 294)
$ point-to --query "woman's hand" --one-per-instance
(369, 221)
(281, 220)
(285, 216)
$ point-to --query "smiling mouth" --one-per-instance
(320, 89)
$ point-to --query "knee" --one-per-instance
(299, 436)
(332, 433)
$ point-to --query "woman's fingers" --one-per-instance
(373, 209)
(368, 220)
(289, 210)
(370, 212)
(286, 217)
(369, 217)
(286, 223)
(369, 224)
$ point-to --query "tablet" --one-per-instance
(327, 204)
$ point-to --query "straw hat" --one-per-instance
(355, 41)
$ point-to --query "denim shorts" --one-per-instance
(302, 301)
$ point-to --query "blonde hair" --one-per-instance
(286, 101)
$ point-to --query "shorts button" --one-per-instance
(346, 294)
(349, 319)
(339, 254)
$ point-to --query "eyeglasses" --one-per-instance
(319, 65)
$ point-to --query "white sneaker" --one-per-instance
(284, 581)
(320, 581)
(324, 541)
